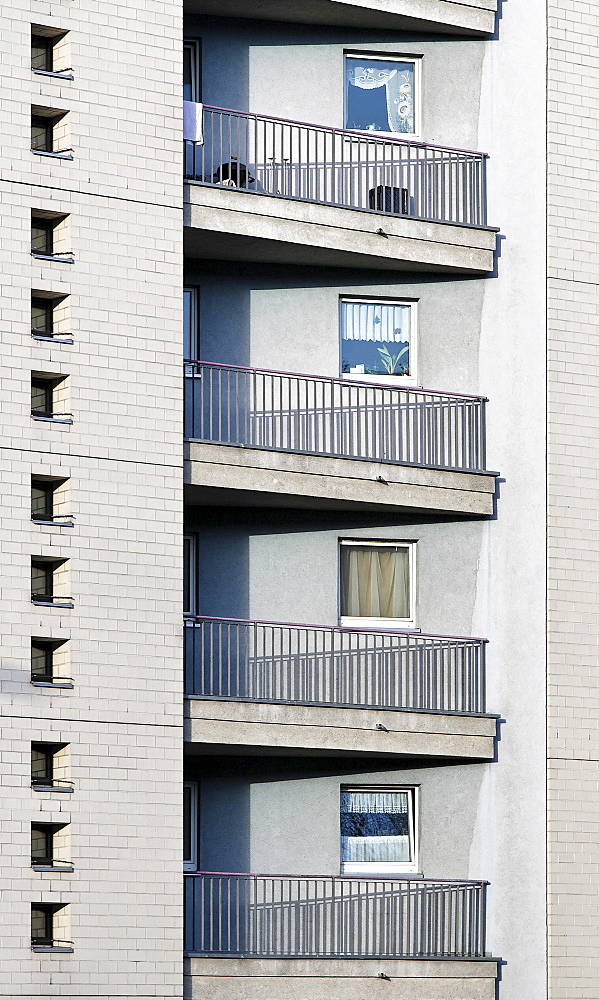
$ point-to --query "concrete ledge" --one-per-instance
(324, 730)
(227, 474)
(471, 17)
(227, 224)
(338, 979)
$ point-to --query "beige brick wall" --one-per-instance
(573, 501)
(122, 456)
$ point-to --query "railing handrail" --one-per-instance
(334, 628)
(351, 878)
(339, 381)
(365, 135)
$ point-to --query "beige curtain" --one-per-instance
(375, 582)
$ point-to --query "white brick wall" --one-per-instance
(573, 544)
(122, 455)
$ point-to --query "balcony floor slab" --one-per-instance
(284, 728)
(470, 18)
(223, 223)
(338, 979)
(226, 474)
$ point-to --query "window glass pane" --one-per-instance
(41, 237)
(41, 397)
(190, 601)
(375, 581)
(41, 316)
(379, 94)
(188, 89)
(41, 53)
(41, 660)
(41, 134)
(41, 501)
(375, 827)
(375, 338)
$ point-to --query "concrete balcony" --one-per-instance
(272, 688)
(251, 937)
(269, 190)
(265, 438)
(470, 18)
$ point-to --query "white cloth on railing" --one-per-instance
(193, 121)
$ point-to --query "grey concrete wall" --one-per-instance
(267, 825)
(287, 319)
(284, 567)
(296, 72)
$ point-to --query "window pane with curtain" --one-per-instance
(375, 338)
(375, 581)
(376, 827)
(379, 94)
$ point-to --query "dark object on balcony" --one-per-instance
(389, 199)
(234, 174)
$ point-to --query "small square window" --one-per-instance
(48, 581)
(378, 830)
(377, 341)
(49, 924)
(381, 94)
(48, 843)
(42, 317)
(48, 498)
(49, 49)
(42, 236)
(377, 588)
(49, 764)
(48, 661)
(41, 133)
(48, 396)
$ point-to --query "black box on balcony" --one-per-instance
(389, 199)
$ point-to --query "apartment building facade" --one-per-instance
(299, 525)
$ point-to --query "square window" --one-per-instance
(49, 766)
(49, 658)
(49, 926)
(42, 236)
(378, 340)
(377, 588)
(41, 133)
(378, 830)
(42, 317)
(381, 94)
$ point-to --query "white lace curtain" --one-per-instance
(380, 321)
(375, 582)
(399, 87)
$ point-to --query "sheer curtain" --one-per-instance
(375, 827)
(375, 581)
(399, 89)
(381, 321)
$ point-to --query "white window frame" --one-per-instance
(191, 864)
(192, 45)
(416, 61)
(394, 624)
(193, 575)
(388, 867)
(393, 380)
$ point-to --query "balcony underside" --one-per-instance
(475, 17)
(227, 224)
(339, 979)
(228, 475)
(228, 726)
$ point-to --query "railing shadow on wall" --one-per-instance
(313, 665)
(341, 418)
(338, 167)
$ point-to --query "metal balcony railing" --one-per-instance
(286, 916)
(329, 166)
(313, 665)
(339, 418)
